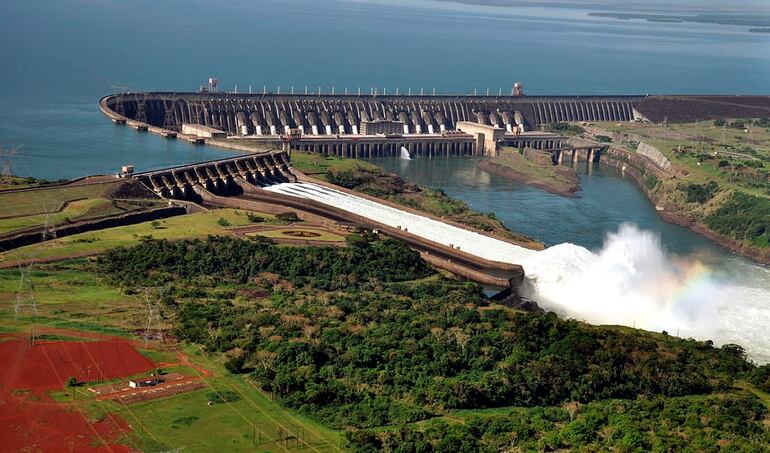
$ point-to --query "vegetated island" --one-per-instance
(534, 169)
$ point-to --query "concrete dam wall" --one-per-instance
(272, 114)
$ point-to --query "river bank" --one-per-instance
(659, 186)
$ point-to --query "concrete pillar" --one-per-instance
(314, 129)
(442, 128)
(342, 129)
(406, 129)
(430, 129)
(273, 131)
(574, 155)
(355, 129)
(259, 130)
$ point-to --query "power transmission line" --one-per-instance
(6, 160)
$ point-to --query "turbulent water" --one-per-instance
(631, 281)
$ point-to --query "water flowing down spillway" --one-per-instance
(631, 281)
(425, 227)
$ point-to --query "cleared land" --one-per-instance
(246, 421)
(32, 370)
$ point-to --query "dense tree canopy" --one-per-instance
(370, 335)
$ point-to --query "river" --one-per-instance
(643, 271)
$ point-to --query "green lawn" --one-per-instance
(199, 224)
(69, 296)
(764, 397)
(703, 137)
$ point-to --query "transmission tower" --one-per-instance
(153, 328)
(25, 301)
(168, 117)
(6, 160)
(48, 231)
(141, 116)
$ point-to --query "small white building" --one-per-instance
(144, 382)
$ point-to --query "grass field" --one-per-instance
(312, 234)
(250, 422)
(14, 204)
(528, 171)
(69, 296)
(317, 164)
(17, 182)
(72, 211)
(61, 204)
(195, 225)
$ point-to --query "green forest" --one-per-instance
(370, 339)
(744, 217)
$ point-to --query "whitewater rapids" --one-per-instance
(631, 281)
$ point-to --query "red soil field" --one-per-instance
(31, 421)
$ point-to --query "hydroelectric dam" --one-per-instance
(381, 125)
(375, 126)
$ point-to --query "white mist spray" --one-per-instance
(632, 281)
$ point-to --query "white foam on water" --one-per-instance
(631, 281)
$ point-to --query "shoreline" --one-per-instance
(669, 213)
(542, 184)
